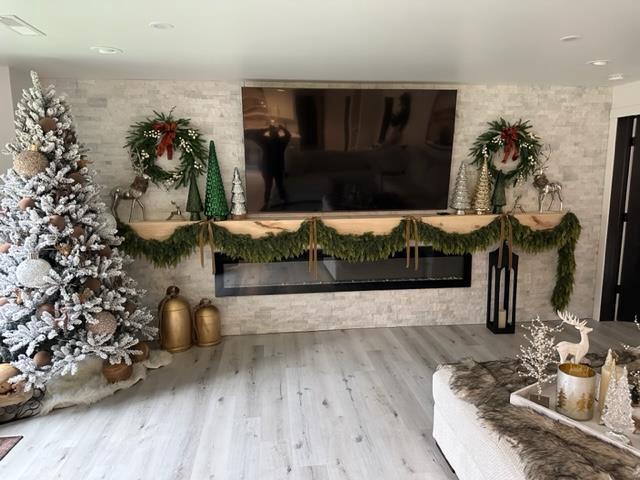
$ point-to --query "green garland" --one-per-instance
(367, 247)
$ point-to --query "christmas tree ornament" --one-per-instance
(3, 301)
(206, 324)
(460, 198)
(77, 177)
(30, 163)
(42, 358)
(7, 372)
(482, 196)
(117, 372)
(32, 272)
(175, 322)
(48, 124)
(130, 307)
(537, 358)
(46, 307)
(105, 251)
(143, 348)
(82, 163)
(194, 201)
(215, 203)
(93, 284)
(104, 323)
(618, 412)
(57, 221)
(238, 200)
(78, 231)
(26, 202)
(64, 249)
(85, 295)
(4, 247)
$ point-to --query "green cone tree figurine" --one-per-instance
(194, 200)
(215, 203)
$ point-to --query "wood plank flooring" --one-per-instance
(334, 405)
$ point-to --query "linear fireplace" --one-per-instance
(435, 270)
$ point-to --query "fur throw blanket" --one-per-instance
(550, 450)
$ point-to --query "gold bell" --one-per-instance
(206, 324)
(175, 322)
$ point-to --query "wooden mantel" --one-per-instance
(379, 224)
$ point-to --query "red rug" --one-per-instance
(6, 444)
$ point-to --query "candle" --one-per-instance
(502, 319)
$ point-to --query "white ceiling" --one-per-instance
(462, 41)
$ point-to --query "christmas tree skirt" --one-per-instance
(89, 386)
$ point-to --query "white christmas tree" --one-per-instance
(618, 412)
(238, 201)
(536, 357)
(63, 292)
(460, 198)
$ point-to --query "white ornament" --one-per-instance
(576, 350)
(32, 272)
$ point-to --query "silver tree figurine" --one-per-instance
(618, 412)
(238, 201)
(460, 198)
(538, 356)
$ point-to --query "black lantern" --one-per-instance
(502, 289)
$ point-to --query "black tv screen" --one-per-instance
(326, 150)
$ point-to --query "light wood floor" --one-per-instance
(350, 404)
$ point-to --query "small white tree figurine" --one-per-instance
(618, 412)
(537, 357)
(460, 198)
(238, 201)
(576, 350)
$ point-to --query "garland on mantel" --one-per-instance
(362, 248)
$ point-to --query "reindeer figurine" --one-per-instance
(577, 350)
(544, 186)
(133, 193)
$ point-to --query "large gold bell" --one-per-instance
(175, 322)
(206, 324)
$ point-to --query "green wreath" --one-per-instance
(162, 134)
(519, 144)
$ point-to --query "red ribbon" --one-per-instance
(509, 137)
(168, 130)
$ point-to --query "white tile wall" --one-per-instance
(573, 120)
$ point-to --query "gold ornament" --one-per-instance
(31, 162)
(7, 371)
(64, 249)
(4, 247)
(86, 294)
(42, 358)
(144, 348)
(206, 324)
(78, 231)
(93, 284)
(175, 322)
(105, 324)
(57, 221)
(48, 124)
(482, 197)
(130, 307)
(117, 372)
(105, 251)
(26, 202)
(77, 177)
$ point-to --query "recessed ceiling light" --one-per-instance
(281, 90)
(19, 26)
(570, 38)
(103, 50)
(162, 25)
(616, 76)
(598, 63)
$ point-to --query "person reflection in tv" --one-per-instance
(273, 140)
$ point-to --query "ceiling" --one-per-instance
(458, 41)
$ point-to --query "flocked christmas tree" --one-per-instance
(482, 197)
(63, 290)
(215, 202)
(618, 411)
(238, 201)
(460, 198)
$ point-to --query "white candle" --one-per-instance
(502, 319)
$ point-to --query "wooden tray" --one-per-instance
(520, 398)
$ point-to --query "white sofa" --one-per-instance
(473, 451)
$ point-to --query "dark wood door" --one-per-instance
(621, 288)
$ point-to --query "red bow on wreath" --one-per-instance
(509, 137)
(168, 131)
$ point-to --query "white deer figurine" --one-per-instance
(577, 350)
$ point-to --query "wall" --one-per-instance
(12, 81)
(574, 121)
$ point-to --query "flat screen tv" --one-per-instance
(328, 150)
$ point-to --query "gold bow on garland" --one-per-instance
(205, 235)
(506, 236)
(411, 235)
(313, 246)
